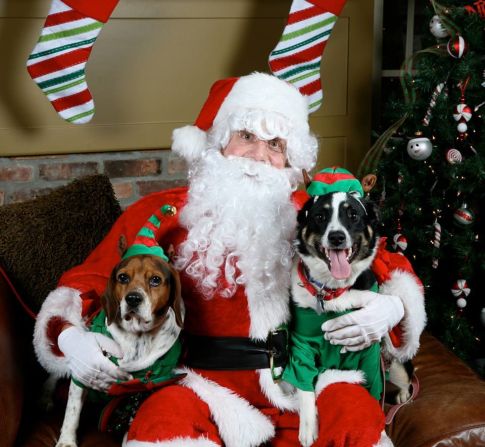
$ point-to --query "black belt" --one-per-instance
(236, 353)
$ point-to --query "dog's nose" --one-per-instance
(336, 238)
(133, 299)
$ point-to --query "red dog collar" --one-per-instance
(324, 293)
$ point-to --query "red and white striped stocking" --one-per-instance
(57, 63)
(297, 56)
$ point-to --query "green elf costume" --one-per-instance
(311, 355)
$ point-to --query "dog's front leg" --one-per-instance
(308, 432)
(74, 405)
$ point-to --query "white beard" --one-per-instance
(241, 224)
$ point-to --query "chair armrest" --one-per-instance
(450, 407)
(11, 380)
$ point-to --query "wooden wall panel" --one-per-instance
(152, 66)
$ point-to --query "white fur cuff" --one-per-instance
(331, 376)
(404, 285)
(64, 303)
(239, 423)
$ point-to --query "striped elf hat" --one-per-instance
(146, 240)
(334, 179)
(257, 92)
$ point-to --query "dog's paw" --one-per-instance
(403, 395)
(308, 432)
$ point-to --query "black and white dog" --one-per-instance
(336, 244)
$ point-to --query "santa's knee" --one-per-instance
(348, 416)
(173, 416)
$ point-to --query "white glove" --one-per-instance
(84, 352)
(357, 330)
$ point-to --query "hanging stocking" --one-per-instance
(297, 56)
(58, 60)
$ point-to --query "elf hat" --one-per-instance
(334, 179)
(145, 242)
(251, 102)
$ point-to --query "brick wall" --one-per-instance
(133, 174)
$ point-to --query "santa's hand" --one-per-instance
(85, 353)
(359, 329)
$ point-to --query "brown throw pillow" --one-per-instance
(42, 238)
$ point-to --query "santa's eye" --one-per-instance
(155, 281)
(123, 278)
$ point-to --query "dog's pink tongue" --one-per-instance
(339, 266)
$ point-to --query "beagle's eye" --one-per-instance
(155, 281)
(319, 218)
(123, 278)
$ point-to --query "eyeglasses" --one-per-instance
(277, 145)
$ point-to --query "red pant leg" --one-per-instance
(170, 413)
(349, 417)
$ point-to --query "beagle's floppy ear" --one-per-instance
(176, 296)
(108, 300)
(122, 245)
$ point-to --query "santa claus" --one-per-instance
(233, 242)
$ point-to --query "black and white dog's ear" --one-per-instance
(302, 216)
(373, 212)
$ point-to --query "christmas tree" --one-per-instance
(430, 165)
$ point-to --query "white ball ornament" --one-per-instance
(462, 127)
(461, 302)
(436, 27)
(482, 316)
(419, 148)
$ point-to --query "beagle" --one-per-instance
(143, 311)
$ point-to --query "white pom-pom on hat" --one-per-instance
(189, 142)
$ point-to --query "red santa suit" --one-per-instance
(234, 407)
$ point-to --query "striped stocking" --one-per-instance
(297, 56)
(57, 62)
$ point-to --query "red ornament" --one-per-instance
(460, 289)
(400, 242)
(478, 7)
(457, 47)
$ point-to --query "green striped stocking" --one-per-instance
(57, 63)
(297, 56)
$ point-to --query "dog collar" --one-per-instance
(323, 293)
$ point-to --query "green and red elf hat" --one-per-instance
(334, 179)
(145, 242)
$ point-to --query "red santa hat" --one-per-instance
(260, 103)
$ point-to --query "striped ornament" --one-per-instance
(57, 63)
(297, 56)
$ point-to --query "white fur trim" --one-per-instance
(239, 423)
(176, 442)
(281, 394)
(65, 303)
(331, 376)
(385, 441)
(190, 142)
(404, 285)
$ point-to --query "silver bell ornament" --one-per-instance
(419, 148)
(436, 27)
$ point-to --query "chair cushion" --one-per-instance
(43, 237)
